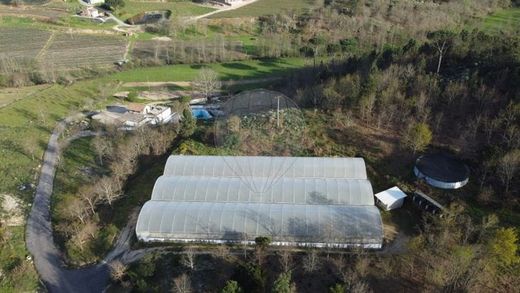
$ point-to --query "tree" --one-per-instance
(188, 124)
(182, 284)
(117, 270)
(338, 288)
(262, 241)
(207, 82)
(417, 137)
(283, 284)
(75, 208)
(107, 189)
(87, 194)
(441, 41)
(507, 167)
(504, 246)
(103, 148)
(115, 4)
(231, 287)
(310, 261)
(285, 259)
(188, 258)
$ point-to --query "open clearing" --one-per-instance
(267, 7)
(226, 71)
(507, 21)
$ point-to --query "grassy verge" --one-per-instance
(267, 7)
(18, 273)
(226, 71)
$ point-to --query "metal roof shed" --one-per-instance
(390, 199)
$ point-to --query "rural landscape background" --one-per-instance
(385, 80)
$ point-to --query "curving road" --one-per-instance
(48, 259)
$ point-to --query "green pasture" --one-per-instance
(226, 71)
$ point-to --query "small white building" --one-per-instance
(390, 199)
(93, 2)
(91, 12)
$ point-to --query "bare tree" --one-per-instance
(182, 284)
(441, 41)
(103, 147)
(207, 82)
(310, 261)
(89, 196)
(285, 259)
(117, 270)
(188, 258)
(507, 167)
(75, 208)
(107, 190)
(222, 251)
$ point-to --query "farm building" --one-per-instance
(426, 203)
(132, 116)
(390, 199)
(442, 171)
(320, 202)
(93, 2)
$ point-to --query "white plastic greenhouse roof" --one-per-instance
(286, 224)
(281, 190)
(296, 201)
(273, 167)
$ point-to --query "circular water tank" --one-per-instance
(442, 171)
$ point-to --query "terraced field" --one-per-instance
(60, 50)
(23, 43)
(74, 50)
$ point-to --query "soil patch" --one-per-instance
(12, 214)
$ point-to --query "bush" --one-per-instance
(263, 241)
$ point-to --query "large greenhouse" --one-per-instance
(293, 200)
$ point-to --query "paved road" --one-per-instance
(47, 257)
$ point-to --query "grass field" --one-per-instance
(11, 95)
(178, 8)
(507, 21)
(226, 71)
(267, 7)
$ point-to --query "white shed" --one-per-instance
(390, 199)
